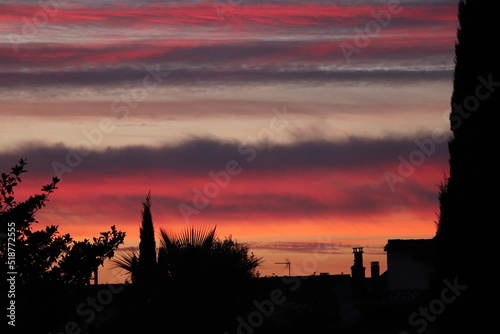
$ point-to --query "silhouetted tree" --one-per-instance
(201, 281)
(233, 260)
(141, 265)
(197, 252)
(203, 276)
(469, 223)
(84, 258)
(45, 255)
(186, 254)
(128, 260)
(44, 260)
(37, 252)
(147, 245)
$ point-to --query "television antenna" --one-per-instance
(287, 264)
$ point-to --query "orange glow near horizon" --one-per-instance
(185, 90)
(285, 226)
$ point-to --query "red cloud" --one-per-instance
(205, 14)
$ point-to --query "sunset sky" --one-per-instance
(303, 128)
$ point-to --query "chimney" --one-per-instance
(357, 270)
(375, 269)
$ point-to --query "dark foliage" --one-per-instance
(469, 223)
(84, 258)
(147, 245)
(197, 252)
(46, 263)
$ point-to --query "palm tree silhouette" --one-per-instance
(204, 280)
(128, 261)
(198, 252)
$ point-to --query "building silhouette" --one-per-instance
(375, 269)
(357, 270)
(409, 269)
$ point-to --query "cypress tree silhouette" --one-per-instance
(469, 224)
(147, 245)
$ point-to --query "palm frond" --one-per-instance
(196, 237)
(128, 261)
(197, 250)
(167, 242)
